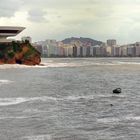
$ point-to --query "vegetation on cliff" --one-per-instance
(19, 53)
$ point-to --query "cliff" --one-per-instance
(19, 53)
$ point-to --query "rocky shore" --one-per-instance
(19, 53)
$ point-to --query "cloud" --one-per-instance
(102, 19)
(36, 15)
(9, 7)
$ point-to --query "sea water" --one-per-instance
(71, 99)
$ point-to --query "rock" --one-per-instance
(117, 91)
(19, 53)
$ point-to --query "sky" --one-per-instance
(60, 19)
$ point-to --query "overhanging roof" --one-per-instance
(8, 31)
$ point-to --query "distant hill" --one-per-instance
(83, 40)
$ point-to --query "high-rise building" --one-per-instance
(81, 51)
(88, 51)
(137, 48)
(78, 51)
(96, 50)
(74, 51)
(91, 50)
(117, 51)
(123, 50)
(111, 42)
(108, 51)
(130, 50)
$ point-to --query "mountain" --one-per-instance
(82, 40)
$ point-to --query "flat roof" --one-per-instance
(8, 31)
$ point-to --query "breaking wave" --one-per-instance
(19, 100)
(2, 81)
(52, 64)
(38, 137)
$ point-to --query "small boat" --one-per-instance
(117, 90)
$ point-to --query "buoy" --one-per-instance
(117, 90)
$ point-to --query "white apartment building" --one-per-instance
(78, 51)
(84, 51)
(108, 51)
(123, 50)
(70, 51)
(91, 51)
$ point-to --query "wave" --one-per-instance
(78, 97)
(13, 117)
(2, 81)
(122, 118)
(42, 65)
(52, 64)
(11, 101)
(19, 100)
(38, 137)
(80, 64)
(128, 63)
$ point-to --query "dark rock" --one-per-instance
(117, 91)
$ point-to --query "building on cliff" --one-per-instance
(28, 38)
(16, 52)
(9, 31)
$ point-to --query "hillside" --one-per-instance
(19, 53)
(83, 40)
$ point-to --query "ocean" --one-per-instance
(71, 99)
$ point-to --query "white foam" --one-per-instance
(38, 137)
(9, 66)
(108, 120)
(128, 63)
(86, 64)
(2, 81)
(53, 64)
(78, 97)
(114, 119)
(19, 100)
(42, 65)
(11, 101)
(13, 117)
(31, 110)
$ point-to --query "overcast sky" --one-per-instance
(59, 19)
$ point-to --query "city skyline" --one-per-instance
(84, 47)
(61, 19)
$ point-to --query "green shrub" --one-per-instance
(16, 47)
(11, 54)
